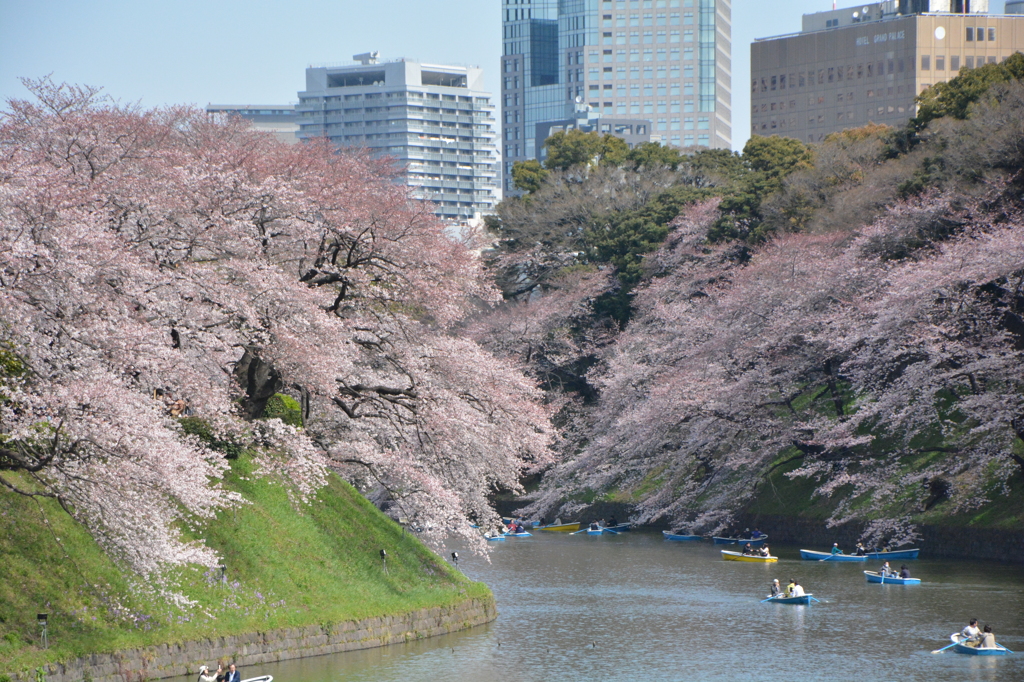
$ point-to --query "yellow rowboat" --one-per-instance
(561, 528)
(738, 556)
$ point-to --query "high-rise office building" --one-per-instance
(666, 63)
(436, 121)
(867, 64)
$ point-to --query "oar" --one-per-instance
(828, 557)
(956, 640)
(1004, 648)
(581, 530)
(939, 651)
(817, 600)
(609, 530)
(768, 599)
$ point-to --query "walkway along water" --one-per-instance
(635, 607)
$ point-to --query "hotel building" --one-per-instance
(866, 64)
(436, 121)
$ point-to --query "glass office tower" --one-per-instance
(664, 61)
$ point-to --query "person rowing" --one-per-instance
(835, 549)
(971, 633)
(776, 589)
(748, 550)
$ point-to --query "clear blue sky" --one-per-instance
(255, 51)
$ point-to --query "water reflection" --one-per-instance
(634, 607)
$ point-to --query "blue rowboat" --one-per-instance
(754, 542)
(874, 577)
(997, 650)
(599, 531)
(524, 534)
(805, 599)
(680, 538)
(811, 555)
(621, 527)
(896, 554)
(494, 538)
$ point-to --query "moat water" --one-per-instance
(636, 607)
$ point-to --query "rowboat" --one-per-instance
(739, 556)
(805, 599)
(896, 554)
(754, 542)
(560, 528)
(598, 531)
(874, 577)
(997, 650)
(811, 555)
(621, 527)
(680, 538)
(524, 534)
(493, 538)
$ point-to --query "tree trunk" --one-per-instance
(259, 380)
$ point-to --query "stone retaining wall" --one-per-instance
(949, 542)
(172, 660)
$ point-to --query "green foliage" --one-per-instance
(577, 148)
(328, 571)
(285, 408)
(651, 154)
(622, 241)
(529, 176)
(954, 98)
(769, 161)
(776, 157)
(194, 426)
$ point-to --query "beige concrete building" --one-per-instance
(851, 67)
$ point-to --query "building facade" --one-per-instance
(663, 62)
(435, 121)
(867, 64)
(278, 119)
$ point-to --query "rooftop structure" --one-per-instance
(436, 121)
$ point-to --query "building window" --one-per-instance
(970, 34)
(926, 63)
(954, 63)
(703, 123)
(969, 62)
(940, 63)
(703, 140)
(991, 35)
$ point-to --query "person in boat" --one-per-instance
(886, 571)
(764, 551)
(776, 589)
(518, 528)
(904, 572)
(748, 550)
(988, 639)
(205, 675)
(971, 633)
(789, 587)
(594, 525)
(835, 548)
(860, 549)
(757, 535)
(797, 590)
(612, 522)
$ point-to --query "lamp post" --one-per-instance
(384, 561)
(42, 617)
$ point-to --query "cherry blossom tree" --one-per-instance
(155, 263)
(851, 353)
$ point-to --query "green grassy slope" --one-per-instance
(286, 567)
